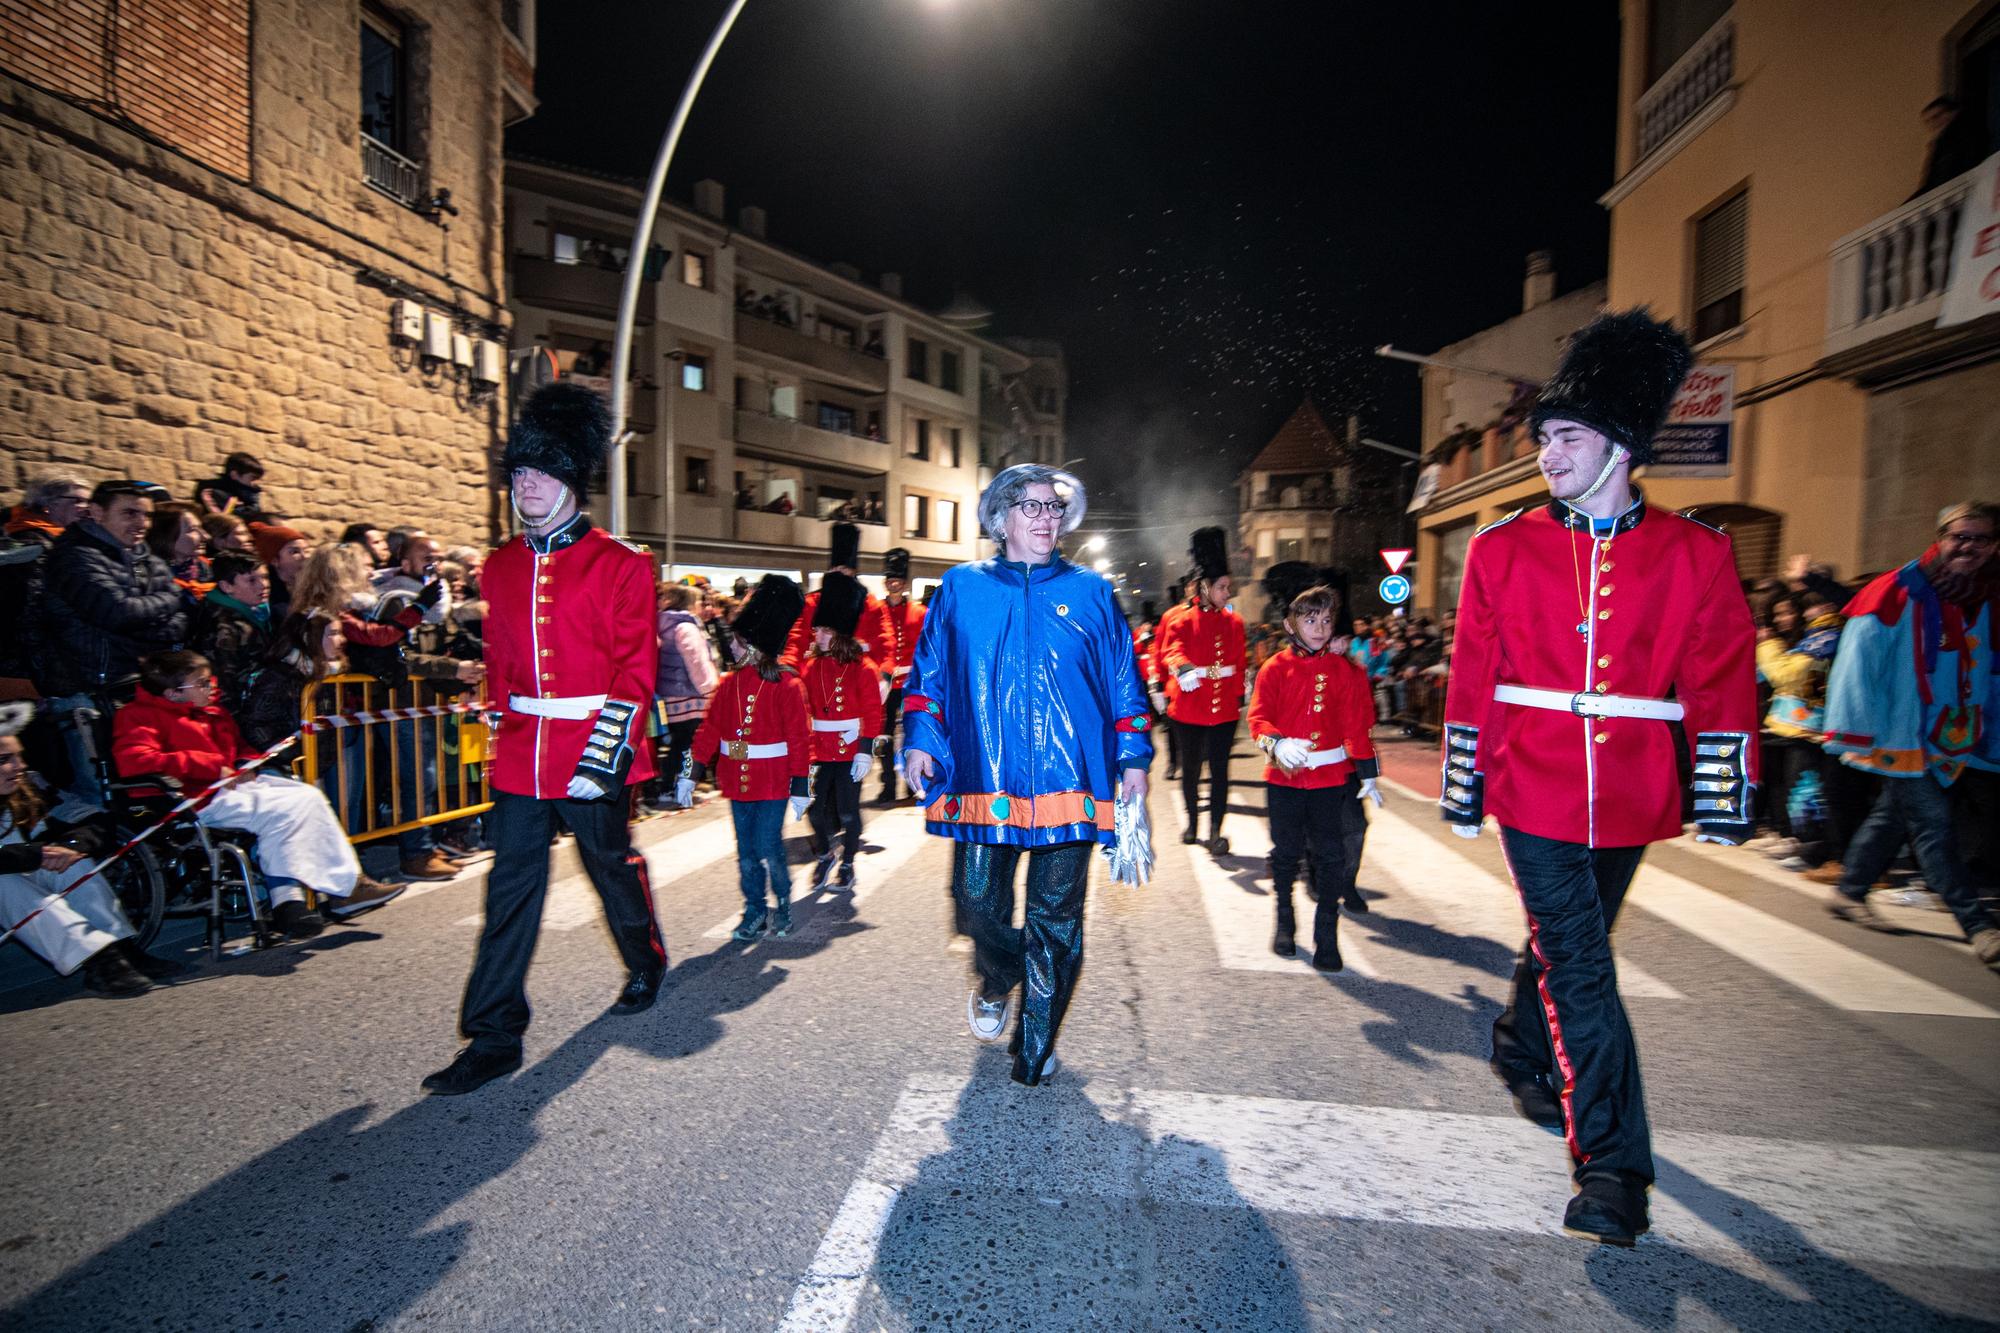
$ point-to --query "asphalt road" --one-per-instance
(803, 1136)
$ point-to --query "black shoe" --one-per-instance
(638, 995)
(844, 877)
(149, 967)
(1217, 845)
(823, 868)
(1355, 903)
(107, 973)
(1173, 773)
(1608, 1208)
(1189, 836)
(1534, 1097)
(472, 1070)
(1282, 943)
(295, 922)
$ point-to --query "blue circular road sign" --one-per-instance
(1395, 590)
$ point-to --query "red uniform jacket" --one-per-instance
(748, 709)
(577, 620)
(1660, 613)
(192, 743)
(868, 632)
(1194, 636)
(1323, 700)
(837, 690)
(900, 627)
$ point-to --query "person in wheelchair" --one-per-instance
(42, 853)
(173, 727)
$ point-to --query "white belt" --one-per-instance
(574, 706)
(1321, 758)
(745, 750)
(901, 671)
(1211, 673)
(852, 724)
(1585, 704)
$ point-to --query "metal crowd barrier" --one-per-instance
(386, 777)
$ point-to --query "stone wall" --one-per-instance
(1931, 444)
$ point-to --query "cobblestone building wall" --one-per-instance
(176, 285)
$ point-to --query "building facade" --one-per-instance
(261, 225)
(772, 395)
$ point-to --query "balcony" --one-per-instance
(756, 528)
(847, 366)
(810, 444)
(1690, 84)
(1888, 278)
(387, 170)
(576, 289)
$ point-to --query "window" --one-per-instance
(948, 371)
(1719, 247)
(835, 332)
(384, 81)
(1291, 548)
(565, 248)
(947, 520)
(632, 474)
(952, 439)
(694, 268)
(1045, 400)
(916, 515)
(694, 372)
(695, 476)
(832, 416)
(1672, 29)
(918, 360)
(920, 438)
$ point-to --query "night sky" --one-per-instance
(1218, 206)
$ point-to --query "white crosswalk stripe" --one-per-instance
(899, 832)
(571, 902)
(1240, 911)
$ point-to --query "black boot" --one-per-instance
(823, 868)
(1189, 836)
(1609, 1208)
(1217, 844)
(1326, 937)
(107, 973)
(150, 967)
(844, 877)
(472, 1069)
(1282, 942)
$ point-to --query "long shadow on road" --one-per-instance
(335, 1228)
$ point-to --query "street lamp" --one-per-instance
(1094, 544)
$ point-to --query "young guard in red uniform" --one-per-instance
(902, 622)
(756, 740)
(844, 700)
(843, 557)
(1310, 713)
(571, 654)
(1576, 621)
(1200, 650)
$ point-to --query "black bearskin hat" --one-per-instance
(562, 429)
(896, 564)
(1284, 581)
(841, 601)
(1209, 549)
(767, 617)
(1619, 376)
(844, 552)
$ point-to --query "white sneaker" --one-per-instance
(987, 1018)
(1049, 1067)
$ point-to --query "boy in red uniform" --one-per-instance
(902, 622)
(844, 700)
(756, 740)
(1200, 650)
(1310, 714)
(843, 557)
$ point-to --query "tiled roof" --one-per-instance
(1305, 443)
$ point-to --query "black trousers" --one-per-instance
(680, 738)
(1328, 823)
(836, 809)
(892, 717)
(1210, 745)
(1045, 954)
(495, 1013)
(1566, 1013)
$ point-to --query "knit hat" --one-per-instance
(271, 538)
(766, 620)
(842, 599)
(1618, 377)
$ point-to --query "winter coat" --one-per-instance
(233, 640)
(103, 607)
(192, 743)
(271, 709)
(21, 849)
(686, 678)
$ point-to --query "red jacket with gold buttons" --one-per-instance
(868, 633)
(1192, 635)
(749, 710)
(843, 690)
(1322, 699)
(1654, 610)
(900, 626)
(574, 620)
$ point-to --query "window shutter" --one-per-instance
(1719, 247)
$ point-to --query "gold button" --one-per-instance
(547, 578)
(541, 620)
(1604, 661)
(548, 675)
(548, 694)
(548, 652)
(1605, 567)
(1315, 735)
(1600, 738)
(1604, 614)
(1319, 708)
(1604, 591)
(1602, 687)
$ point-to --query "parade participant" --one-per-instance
(844, 700)
(1201, 652)
(570, 657)
(761, 756)
(1575, 621)
(1913, 693)
(1025, 719)
(902, 622)
(1310, 714)
(843, 557)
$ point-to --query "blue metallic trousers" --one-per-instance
(1044, 955)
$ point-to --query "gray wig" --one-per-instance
(1010, 487)
(44, 489)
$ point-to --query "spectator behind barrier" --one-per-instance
(233, 624)
(175, 535)
(284, 552)
(50, 506)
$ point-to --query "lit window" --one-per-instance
(915, 513)
(567, 249)
(694, 372)
(694, 268)
(947, 520)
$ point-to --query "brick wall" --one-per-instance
(179, 69)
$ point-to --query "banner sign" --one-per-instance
(1974, 289)
(1696, 439)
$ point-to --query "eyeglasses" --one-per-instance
(1036, 508)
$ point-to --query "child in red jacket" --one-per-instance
(173, 727)
(756, 740)
(1310, 714)
(844, 699)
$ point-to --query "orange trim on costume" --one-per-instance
(1054, 810)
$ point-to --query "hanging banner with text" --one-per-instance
(1974, 289)
(1695, 441)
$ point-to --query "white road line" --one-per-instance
(1752, 1201)
(1939, 926)
(572, 902)
(1241, 920)
(901, 834)
(1465, 897)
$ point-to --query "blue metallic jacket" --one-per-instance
(1025, 691)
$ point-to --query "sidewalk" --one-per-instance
(1410, 763)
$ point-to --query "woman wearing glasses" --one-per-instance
(1025, 719)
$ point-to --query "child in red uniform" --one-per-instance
(844, 699)
(755, 739)
(1310, 714)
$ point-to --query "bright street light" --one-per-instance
(1094, 544)
(1101, 566)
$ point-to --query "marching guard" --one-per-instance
(902, 622)
(1201, 652)
(844, 701)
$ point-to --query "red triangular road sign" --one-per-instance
(1395, 558)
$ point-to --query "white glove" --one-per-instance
(1191, 678)
(859, 768)
(1370, 792)
(798, 805)
(1466, 830)
(1159, 702)
(1291, 752)
(684, 793)
(582, 788)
